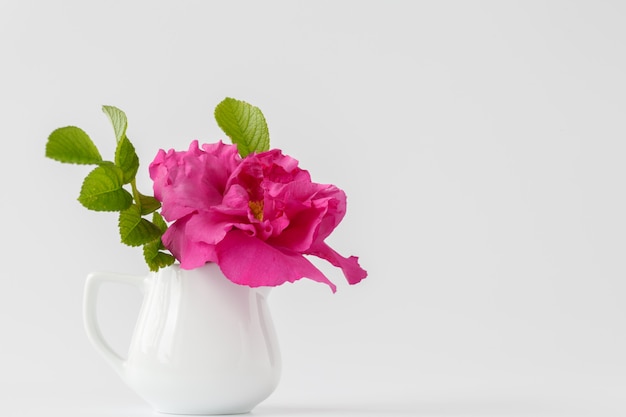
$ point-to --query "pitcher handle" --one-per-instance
(90, 317)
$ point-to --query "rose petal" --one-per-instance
(249, 261)
(334, 200)
(212, 226)
(350, 266)
(302, 229)
(190, 253)
(193, 180)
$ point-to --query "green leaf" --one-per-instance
(152, 253)
(118, 120)
(72, 145)
(126, 159)
(155, 258)
(135, 230)
(244, 124)
(102, 189)
(158, 220)
(148, 204)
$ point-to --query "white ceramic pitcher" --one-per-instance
(201, 345)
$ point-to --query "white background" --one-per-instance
(481, 145)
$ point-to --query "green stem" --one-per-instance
(133, 185)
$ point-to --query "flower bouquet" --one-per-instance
(224, 223)
(248, 208)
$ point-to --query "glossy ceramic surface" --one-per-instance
(202, 345)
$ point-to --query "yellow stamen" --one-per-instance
(257, 209)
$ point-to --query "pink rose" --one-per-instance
(255, 217)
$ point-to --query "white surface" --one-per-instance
(481, 145)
